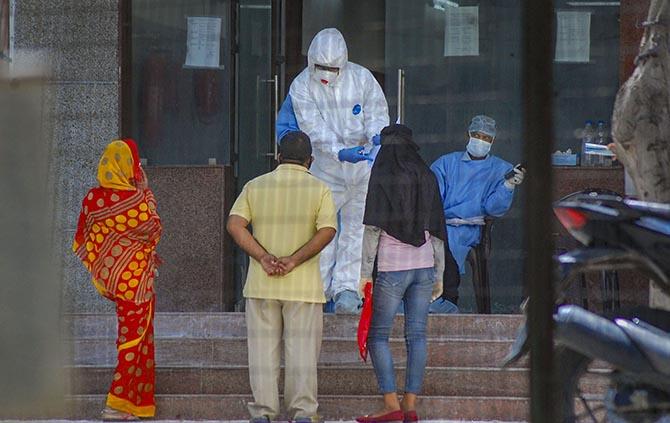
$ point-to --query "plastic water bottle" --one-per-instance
(587, 137)
(602, 138)
(601, 133)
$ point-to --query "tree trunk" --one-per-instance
(641, 118)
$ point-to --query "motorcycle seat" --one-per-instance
(660, 210)
(655, 345)
(600, 338)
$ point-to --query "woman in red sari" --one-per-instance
(116, 240)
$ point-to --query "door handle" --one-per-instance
(401, 96)
(275, 82)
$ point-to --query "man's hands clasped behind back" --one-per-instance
(275, 266)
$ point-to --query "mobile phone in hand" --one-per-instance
(511, 173)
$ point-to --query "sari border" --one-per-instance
(126, 406)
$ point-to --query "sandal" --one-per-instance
(394, 416)
(411, 416)
(112, 415)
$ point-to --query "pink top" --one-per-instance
(395, 256)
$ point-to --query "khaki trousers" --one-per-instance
(301, 327)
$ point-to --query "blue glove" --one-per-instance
(377, 140)
(353, 155)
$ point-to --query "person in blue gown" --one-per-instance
(472, 186)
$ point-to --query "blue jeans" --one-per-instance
(414, 289)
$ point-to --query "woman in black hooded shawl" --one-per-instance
(405, 232)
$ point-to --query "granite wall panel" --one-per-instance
(192, 205)
(80, 38)
(78, 43)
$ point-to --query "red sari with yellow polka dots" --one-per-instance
(116, 240)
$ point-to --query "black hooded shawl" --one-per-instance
(403, 196)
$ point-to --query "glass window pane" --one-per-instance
(181, 114)
(585, 90)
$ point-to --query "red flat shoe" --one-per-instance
(411, 416)
(394, 416)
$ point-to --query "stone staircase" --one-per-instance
(202, 373)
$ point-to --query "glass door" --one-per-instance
(180, 73)
(257, 90)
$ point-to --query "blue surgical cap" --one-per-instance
(483, 124)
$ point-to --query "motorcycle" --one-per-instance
(629, 349)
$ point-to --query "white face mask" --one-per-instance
(325, 77)
(478, 148)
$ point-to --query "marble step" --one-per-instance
(233, 351)
(226, 325)
(340, 407)
(340, 380)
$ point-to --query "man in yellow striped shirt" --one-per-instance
(293, 218)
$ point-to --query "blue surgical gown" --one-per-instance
(470, 188)
(286, 120)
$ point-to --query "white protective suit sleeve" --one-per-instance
(375, 108)
(371, 236)
(312, 123)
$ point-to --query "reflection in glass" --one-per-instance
(181, 114)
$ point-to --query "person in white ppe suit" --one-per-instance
(342, 108)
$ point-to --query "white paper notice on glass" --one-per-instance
(461, 31)
(573, 37)
(203, 42)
